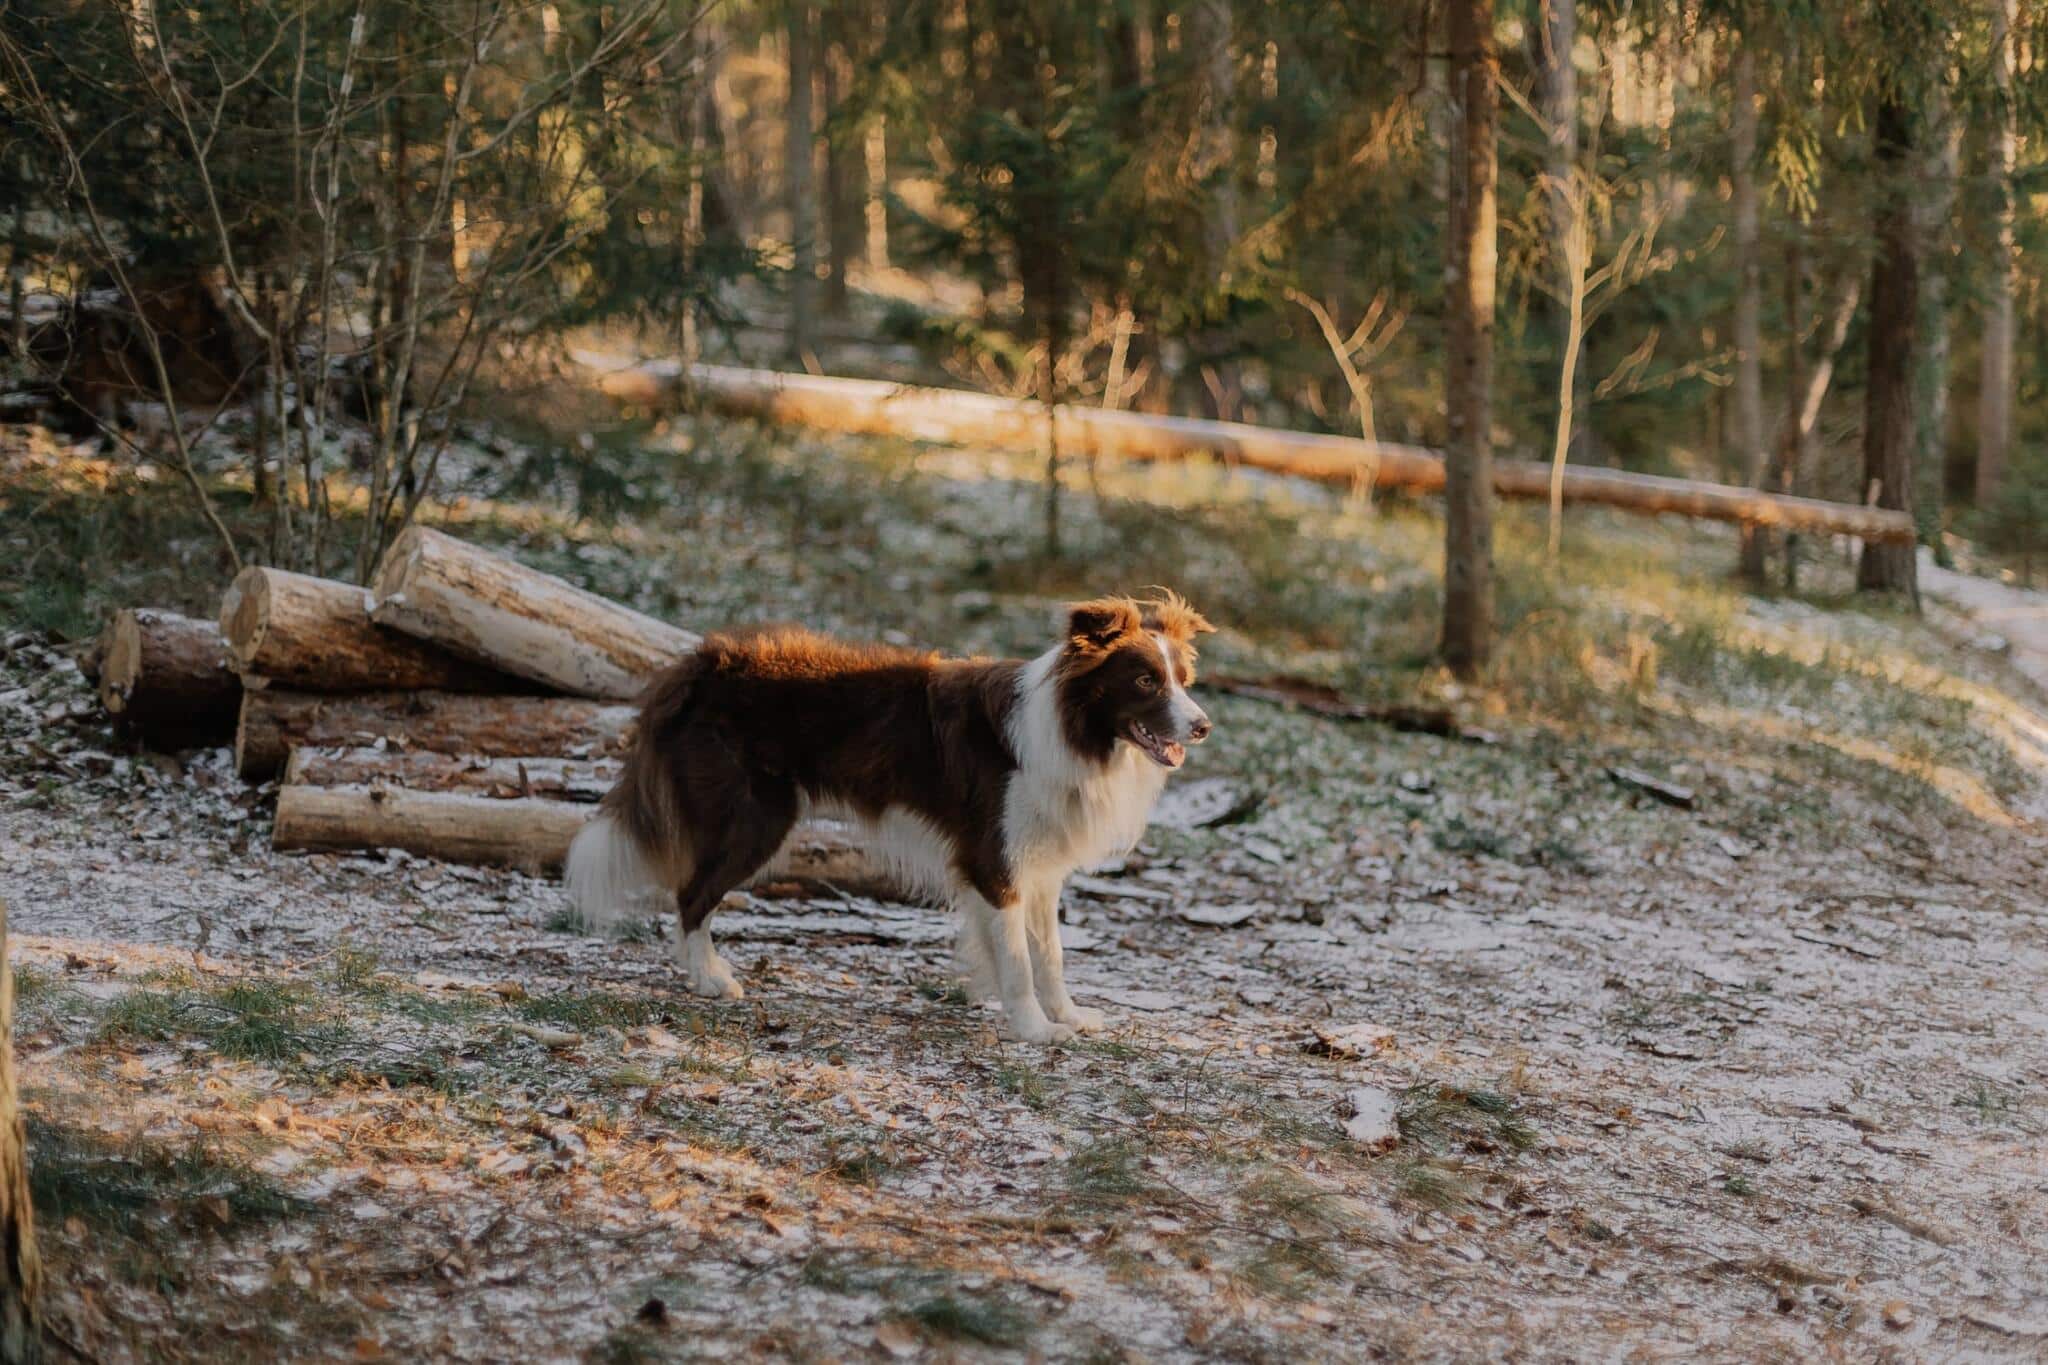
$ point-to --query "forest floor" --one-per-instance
(1422, 1047)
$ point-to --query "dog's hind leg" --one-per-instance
(751, 829)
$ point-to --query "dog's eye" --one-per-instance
(1147, 683)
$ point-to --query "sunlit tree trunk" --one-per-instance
(1468, 363)
(798, 151)
(1552, 37)
(1746, 427)
(1942, 154)
(1994, 411)
(842, 221)
(1209, 35)
(1890, 431)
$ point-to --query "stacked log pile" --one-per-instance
(465, 707)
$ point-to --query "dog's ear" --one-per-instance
(1102, 622)
(1170, 613)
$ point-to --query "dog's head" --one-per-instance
(1124, 674)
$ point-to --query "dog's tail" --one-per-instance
(610, 879)
(624, 863)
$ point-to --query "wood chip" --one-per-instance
(1670, 793)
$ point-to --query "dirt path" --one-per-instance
(1721, 1082)
(2019, 615)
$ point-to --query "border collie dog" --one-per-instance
(981, 782)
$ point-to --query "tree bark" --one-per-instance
(798, 151)
(1468, 365)
(275, 721)
(497, 611)
(842, 222)
(1889, 428)
(316, 634)
(1942, 156)
(876, 159)
(875, 408)
(1995, 387)
(558, 779)
(1552, 37)
(1746, 425)
(21, 1265)
(166, 679)
(1209, 28)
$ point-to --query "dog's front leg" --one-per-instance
(1048, 960)
(1005, 932)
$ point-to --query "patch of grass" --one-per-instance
(1432, 1183)
(1740, 1185)
(116, 1185)
(1987, 1101)
(1441, 1118)
(985, 1319)
(253, 1020)
(1109, 1174)
(1025, 1082)
(586, 1010)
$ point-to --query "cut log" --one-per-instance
(274, 721)
(1324, 700)
(458, 827)
(531, 833)
(165, 679)
(316, 634)
(497, 611)
(559, 779)
(873, 408)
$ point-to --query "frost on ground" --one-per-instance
(1759, 1079)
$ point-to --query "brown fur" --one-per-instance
(731, 736)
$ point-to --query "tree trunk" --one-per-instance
(876, 158)
(21, 1265)
(316, 634)
(1995, 388)
(274, 722)
(798, 150)
(494, 610)
(166, 679)
(1552, 36)
(1209, 27)
(842, 224)
(1746, 425)
(1889, 429)
(876, 408)
(558, 779)
(1942, 155)
(1468, 364)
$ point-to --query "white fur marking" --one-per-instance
(609, 879)
(704, 971)
(1186, 715)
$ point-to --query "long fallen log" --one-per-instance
(274, 721)
(558, 779)
(498, 611)
(531, 833)
(165, 679)
(316, 635)
(873, 408)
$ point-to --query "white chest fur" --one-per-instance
(1062, 811)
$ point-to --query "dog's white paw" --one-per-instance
(1041, 1030)
(1084, 1019)
(714, 982)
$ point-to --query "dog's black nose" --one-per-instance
(1199, 731)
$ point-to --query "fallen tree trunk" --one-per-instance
(316, 634)
(497, 611)
(165, 678)
(530, 833)
(275, 721)
(559, 779)
(874, 408)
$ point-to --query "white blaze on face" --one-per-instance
(1186, 715)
